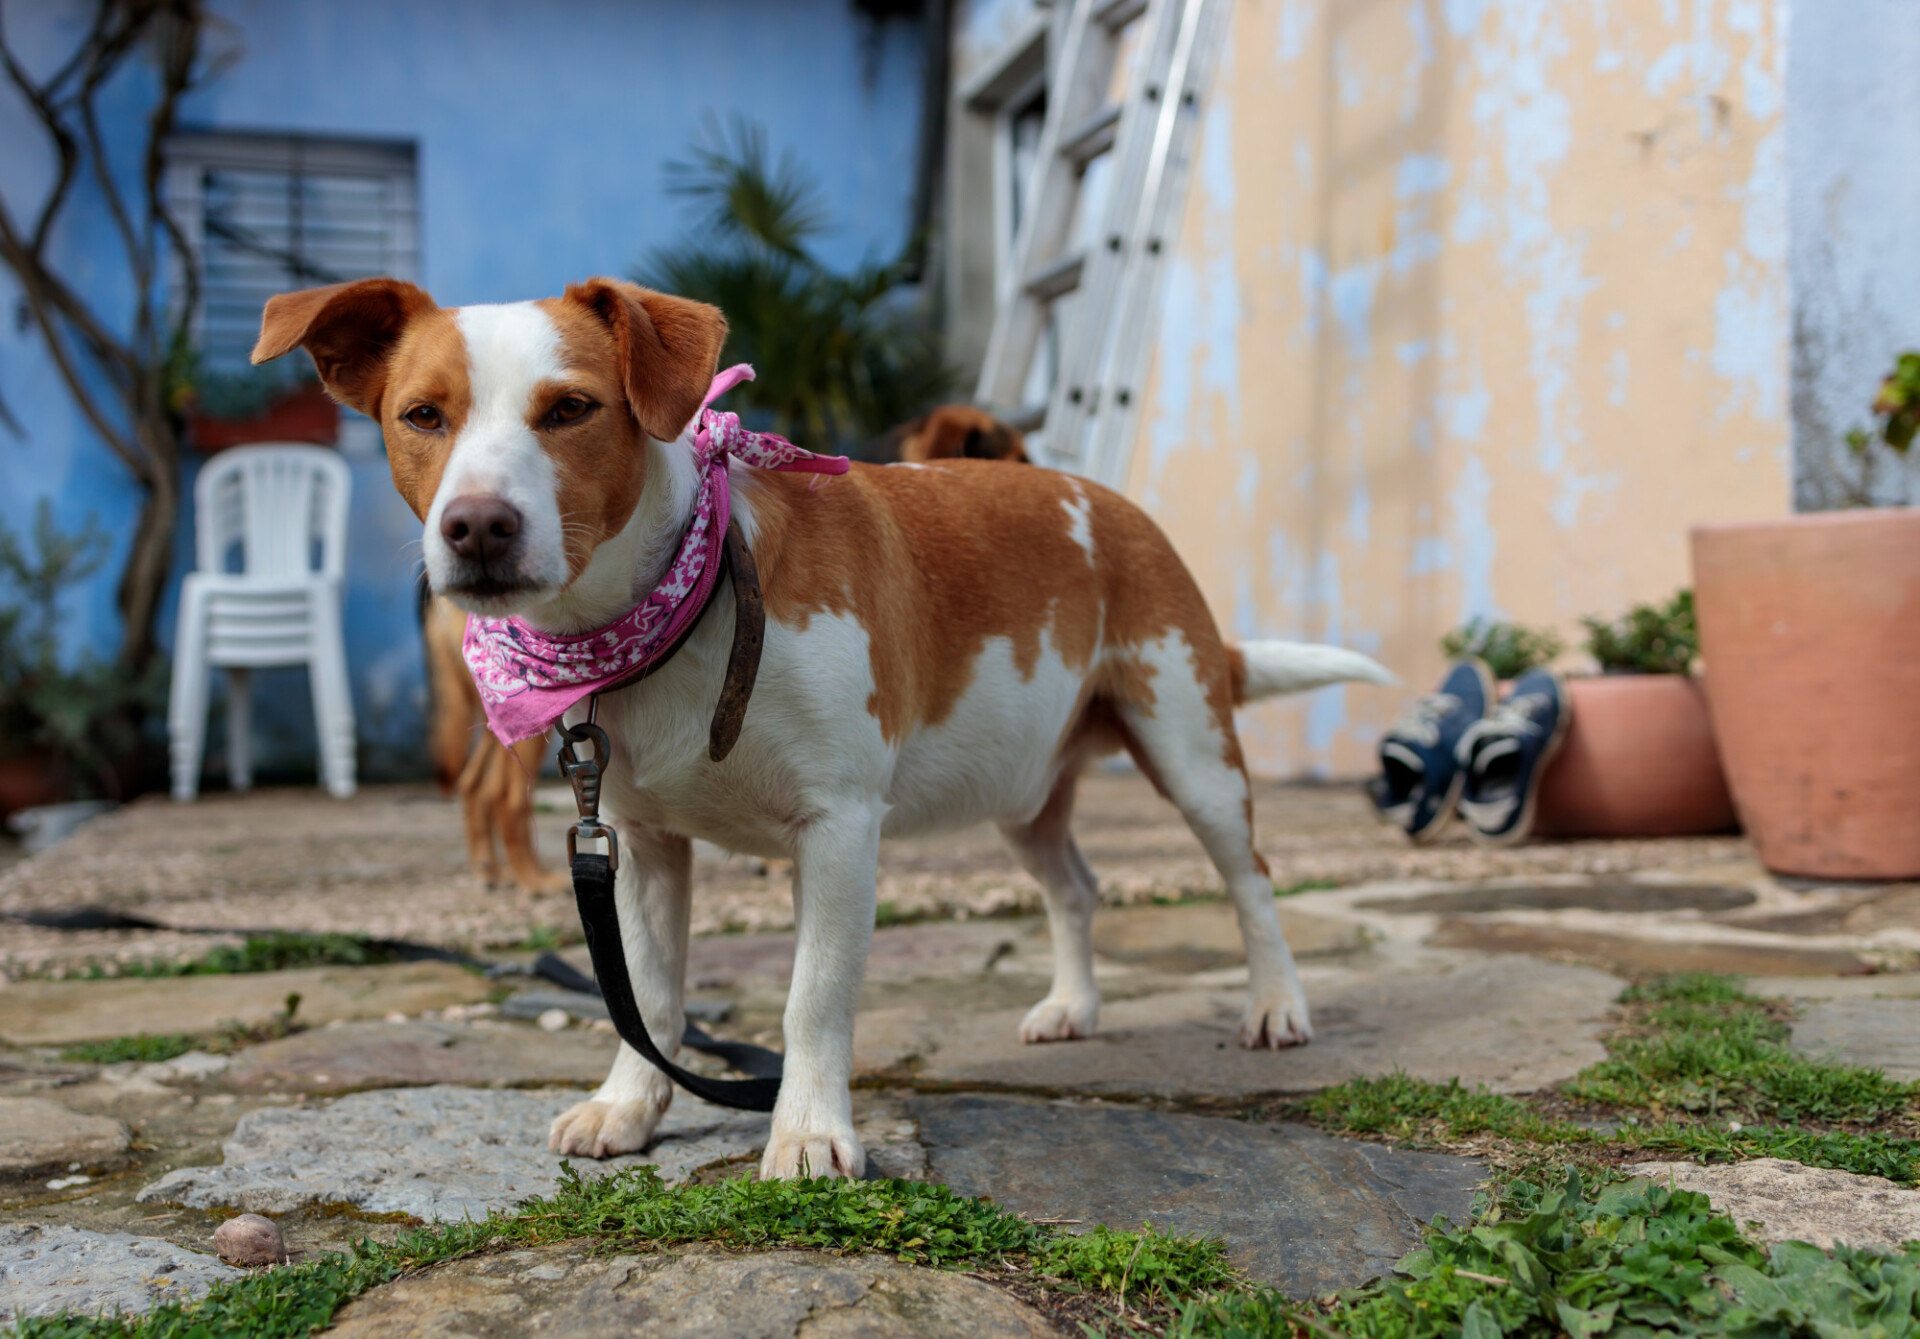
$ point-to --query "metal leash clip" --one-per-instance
(584, 775)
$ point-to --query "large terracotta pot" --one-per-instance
(1810, 629)
(31, 779)
(1638, 761)
(303, 415)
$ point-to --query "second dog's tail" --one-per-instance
(1269, 668)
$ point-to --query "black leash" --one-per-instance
(600, 921)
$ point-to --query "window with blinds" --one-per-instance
(269, 213)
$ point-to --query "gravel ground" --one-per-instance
(390, 863)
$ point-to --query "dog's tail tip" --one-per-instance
(1269, 668)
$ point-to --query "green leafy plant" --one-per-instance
(1650, 639)
(79, 713)
(1629, 1259)
(839, 357)
(1509, 649)
(1896, 410)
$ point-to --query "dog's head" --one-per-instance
(960, 430)
(517, 433)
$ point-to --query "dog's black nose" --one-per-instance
(481, 529)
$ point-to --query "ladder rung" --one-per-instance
(1028, 418)
(1058, 279)
(1117, 14)
(1092, 137)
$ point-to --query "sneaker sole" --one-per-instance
(1523, 829)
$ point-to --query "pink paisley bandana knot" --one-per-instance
(527, 679)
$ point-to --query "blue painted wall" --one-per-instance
(542, 131)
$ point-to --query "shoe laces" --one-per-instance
(1420, 722)
(1519, 715)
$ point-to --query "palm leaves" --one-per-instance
(839, 358)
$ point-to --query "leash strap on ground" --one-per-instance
(600, 919)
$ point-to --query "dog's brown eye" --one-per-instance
(569, 409)
(425, 417)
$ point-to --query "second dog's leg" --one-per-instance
(653, 893)
(513, 817)
(1046, 849)
(837, 858)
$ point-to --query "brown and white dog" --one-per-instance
(945, 644)
(949, 433)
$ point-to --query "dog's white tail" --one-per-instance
(1268, 668)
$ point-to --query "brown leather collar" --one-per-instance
(743, 663)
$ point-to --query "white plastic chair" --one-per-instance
(281, 510)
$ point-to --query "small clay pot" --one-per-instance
(1810, 630)
(1638, 760)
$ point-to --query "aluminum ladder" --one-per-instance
(1145, 117)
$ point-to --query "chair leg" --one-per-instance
(187, 699)
(332, 698)
(240, 728)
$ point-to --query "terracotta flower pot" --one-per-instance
(1638, 761)
(31, 779)
(303, 415)
(1810, 629)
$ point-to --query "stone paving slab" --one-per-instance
(391, 1055)
(60, 1013)
(1514, 1024)
(38, 1135)
(689, 1292)
(434, 1153)
(1874, 1033)
(1690, 950)
(1794, 1202)
(1299, 1210)
(44, 1270)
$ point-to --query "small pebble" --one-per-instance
(250, 1240)
(553, 1020)
(66, 1182)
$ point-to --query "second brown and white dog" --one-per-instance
(945, 644)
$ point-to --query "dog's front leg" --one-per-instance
(836, 863)
(652, 890)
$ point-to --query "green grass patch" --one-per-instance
(1697, 1058)
(1701, 1045)
(272, 952)
(1630, 1260)
(1299, 886)
(146, 1047)
(911, 1221)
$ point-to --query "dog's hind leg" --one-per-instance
(653, 891)
(1186, 741)
(1045, 849)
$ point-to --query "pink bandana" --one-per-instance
(527, 679)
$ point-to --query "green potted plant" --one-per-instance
(281, 402)
(68, 725)
(1509, 649)
(1810, 631)
(1639, 759)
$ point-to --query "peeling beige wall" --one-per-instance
(1476, 307)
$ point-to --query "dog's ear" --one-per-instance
(348, 328)
(669, 348)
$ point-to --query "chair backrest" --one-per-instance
(282, 505)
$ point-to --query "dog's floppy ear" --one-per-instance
(669, 348)
(348, 328)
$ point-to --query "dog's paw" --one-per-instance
(1060, 1020)
(793, 1153)
(1273, 1023)
(599, 1129)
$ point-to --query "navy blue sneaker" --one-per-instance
(1503, 757)
(1420, 777)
